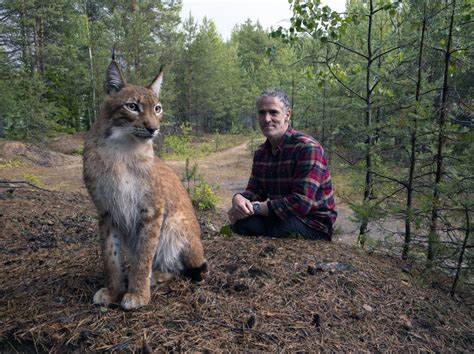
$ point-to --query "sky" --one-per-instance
(227, 13)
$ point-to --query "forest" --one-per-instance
(386, 87)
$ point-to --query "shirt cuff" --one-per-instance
(246, 195)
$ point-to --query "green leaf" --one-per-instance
(226, 231)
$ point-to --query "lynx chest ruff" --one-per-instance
(129, 192)
(123, 190)
(143, 209)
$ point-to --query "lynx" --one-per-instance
(144, 211)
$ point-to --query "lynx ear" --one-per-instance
(155, 85)
(114, 80)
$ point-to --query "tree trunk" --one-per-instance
(323, 133)
(190, 93)
(413, 142)
(2, 126)
(39, 38)
(90, 46)
(433, 236)
(368, 123)
(25, 45)
(463, 250)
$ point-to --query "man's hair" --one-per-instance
(282, 97)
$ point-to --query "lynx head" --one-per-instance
(129, 111)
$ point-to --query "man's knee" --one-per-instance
(251, 226)
(238, 227)
(293, 227)
(285, 228)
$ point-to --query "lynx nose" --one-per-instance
(152, 131)
(150, 127)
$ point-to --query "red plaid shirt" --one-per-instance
(295, 180)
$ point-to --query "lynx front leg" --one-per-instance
(112, 258)
(138, 294)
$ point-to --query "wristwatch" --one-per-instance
(256, 208)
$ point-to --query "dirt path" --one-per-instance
(226, 171)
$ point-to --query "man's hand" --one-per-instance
(241, 208)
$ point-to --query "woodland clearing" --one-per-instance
(262, 293)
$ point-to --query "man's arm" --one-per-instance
(242, 206)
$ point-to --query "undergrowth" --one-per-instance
(11, 164)
(186, 145)
(201, 193)
(32, 179)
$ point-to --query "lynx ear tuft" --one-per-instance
(155, 85)
(114, 80)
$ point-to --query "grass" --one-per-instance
(11, 164)
(347, 183)
(184, 147)
(78, 151)
(34, 180)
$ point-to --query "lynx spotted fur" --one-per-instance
(144, 210)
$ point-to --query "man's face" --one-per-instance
(272, 118)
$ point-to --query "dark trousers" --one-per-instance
(257, 225)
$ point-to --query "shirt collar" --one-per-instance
(289, 132)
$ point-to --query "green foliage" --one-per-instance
(190, 174)
(34, 180)
(226, 231)
(367, 211)
(78, 151)
(176, 147)
(184, 146)
(201, 193)
(203, 196)
(255, 141)
(236, 128)
(11, 164)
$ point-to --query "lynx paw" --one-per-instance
(131, 301)
(160, 277)
(103, 297)
(197, 274)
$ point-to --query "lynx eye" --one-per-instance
(158, 109)
(132, 106)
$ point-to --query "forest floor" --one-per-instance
(262, 293)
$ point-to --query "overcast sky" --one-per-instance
(227, 13)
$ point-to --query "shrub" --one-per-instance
(78, 152)
(203, 197)
(255, 141)
(200, 191)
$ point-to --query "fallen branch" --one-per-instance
(4, 183)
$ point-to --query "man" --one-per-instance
(289, 192)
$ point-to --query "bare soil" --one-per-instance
(262, 294)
